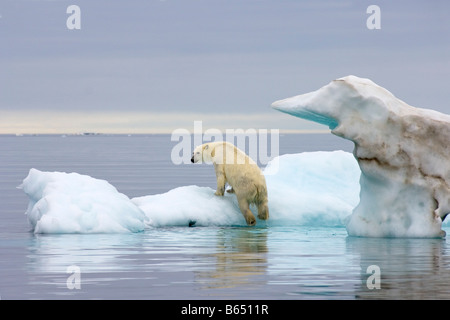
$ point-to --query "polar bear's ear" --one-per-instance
(206, 147)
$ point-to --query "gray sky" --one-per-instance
(152, 65)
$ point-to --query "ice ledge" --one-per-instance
(403, 153)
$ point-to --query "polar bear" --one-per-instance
(242, 174)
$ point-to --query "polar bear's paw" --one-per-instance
(250, 219)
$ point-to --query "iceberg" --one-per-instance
(189, 206)
(62, 202)
(308, 189)
(314, 189)
(402, 152)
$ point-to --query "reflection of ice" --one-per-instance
(94, 253)
(409, 268)
(272, 262)
(311, 263)
(162, 262)
(101, 259)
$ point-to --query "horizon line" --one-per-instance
(145, 122)
(89, 133)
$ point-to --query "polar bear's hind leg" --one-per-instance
(263, 211)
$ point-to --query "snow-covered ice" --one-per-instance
(314, 189)
(403, 153)
(311, 189)
(73, 203)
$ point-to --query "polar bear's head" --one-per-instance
(201, 154)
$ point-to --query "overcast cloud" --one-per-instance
(209, 57)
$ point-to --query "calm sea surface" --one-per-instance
(200, 262)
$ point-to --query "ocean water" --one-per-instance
(281, 263)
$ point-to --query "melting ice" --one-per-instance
(311, 189)
(402, 152)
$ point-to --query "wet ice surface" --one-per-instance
(298, 262)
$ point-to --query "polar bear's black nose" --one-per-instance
(192, 159)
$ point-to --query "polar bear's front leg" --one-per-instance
(221, 180)
(248, 215)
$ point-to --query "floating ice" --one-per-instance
(313, 189)
(403, 153)
(73, 203)
(309, 189)
(190, 205)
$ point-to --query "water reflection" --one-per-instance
(240, 255)
(409, 268)
(94, 252)
(271, 263)
(160, 263)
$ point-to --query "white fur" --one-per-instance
(234, 167)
